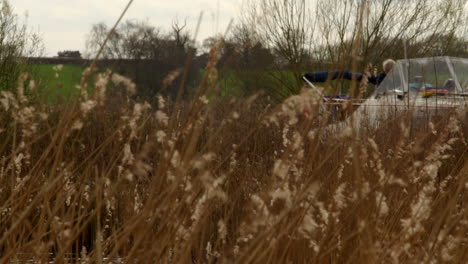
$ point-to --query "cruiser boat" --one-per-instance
(426, 87)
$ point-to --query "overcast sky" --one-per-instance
(64, 24)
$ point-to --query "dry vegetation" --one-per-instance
(108, 178)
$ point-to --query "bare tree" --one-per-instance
(142, 51)
(180, 35)
(95, 38)
(285, 27)
(17, 43)
(385, 23)
(139, 40)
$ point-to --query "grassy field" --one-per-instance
(57, 85)
(244, 181)
(60, 85)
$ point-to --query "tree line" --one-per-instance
(274, 42)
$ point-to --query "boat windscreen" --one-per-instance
(414, 76)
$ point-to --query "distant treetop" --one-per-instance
(69, 54)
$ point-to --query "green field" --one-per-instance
(277, 83)
(55, 88)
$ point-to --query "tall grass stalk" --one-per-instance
(213, 181)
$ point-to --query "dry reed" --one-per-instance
(208, 181)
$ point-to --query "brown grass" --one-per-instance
(243, 181)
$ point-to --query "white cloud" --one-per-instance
(64, 24)
(64, 40)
